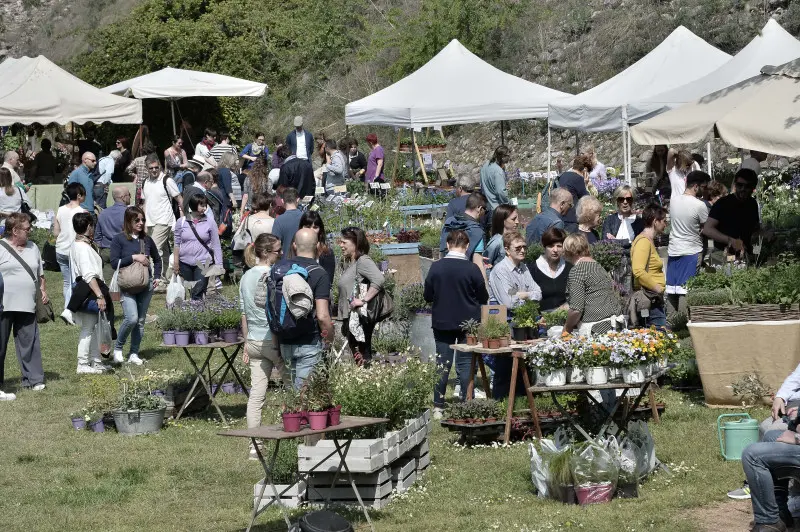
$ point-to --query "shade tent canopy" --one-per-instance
(680, 58)
(773, 46)
(454, 87)
(175, 83)
(36, 90)
(760, 113)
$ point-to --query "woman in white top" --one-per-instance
(65, 237)
(260, 349)
(85, 262)
(679, 164)
(11, 197)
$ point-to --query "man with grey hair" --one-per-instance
(105, 172)
(159, 191)
(110, 221)
(202, 184)
(551, 216)
(11, 162)
(303, 351)
(466, 184)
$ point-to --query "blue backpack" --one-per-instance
(281, 321)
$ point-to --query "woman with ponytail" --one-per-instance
(261, 351)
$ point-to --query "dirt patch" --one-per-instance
(731, 516)
(407, 267)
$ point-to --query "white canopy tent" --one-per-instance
(37, 90)
(760, 113)
(175, 83)
(681, 57)
(454, 87)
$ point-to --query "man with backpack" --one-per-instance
(161, 199)
(298, 296)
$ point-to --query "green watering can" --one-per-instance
(738, 435)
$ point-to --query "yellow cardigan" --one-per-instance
(647, 266)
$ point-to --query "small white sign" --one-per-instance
(374, 186)
(395, 204)
(369, 204)
(385, 186)
(319, 191)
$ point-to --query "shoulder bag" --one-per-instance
(379, 307)
(643, 299)
(44, 311)
(135, 277)
(200, 240)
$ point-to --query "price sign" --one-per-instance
(395, 204)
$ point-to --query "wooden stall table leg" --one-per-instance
(651, 394)
(471, 385)
(484, 378)
(531, 403)
(512, 395)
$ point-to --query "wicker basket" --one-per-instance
(737, 313)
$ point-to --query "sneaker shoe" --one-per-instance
(740, 494)
(438, 413)
(134, 359)
(67, 317)
(38, 387)
(252, 455)
(479, 394)
(7, 396)
(118, 358)
(87, 369)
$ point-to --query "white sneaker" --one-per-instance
(7, 396)
(99, 365)
(252, 455)
(479, 394)
(91, 370)
(67, 317)
(438, 413)
(38, 387)
(118, 358)
(134, 359)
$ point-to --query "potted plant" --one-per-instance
(470, 327)
(228, 321)
(166, 321)
(525, 320)
(79, 419)
(201, 325)
(504, 330)
(96, 421)
(560, 483)
(318, 396)
(550, 360)
(292, 410)
(137, 411)
(182, 324)
(595, 473)
(492, 331)
(455, 413)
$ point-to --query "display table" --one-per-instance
(208, 378)
(517, 352)
(276, 433)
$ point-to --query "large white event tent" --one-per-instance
(680, 58)
(175, 83)
(36, 90)
(760, 113)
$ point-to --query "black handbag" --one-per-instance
(379, 307)
(49, 258)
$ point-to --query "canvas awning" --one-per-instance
(454, 87)
(36, 90)
(760, 113)
(175, 83)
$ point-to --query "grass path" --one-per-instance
(188, 478)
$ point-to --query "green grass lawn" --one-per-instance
(188, 478)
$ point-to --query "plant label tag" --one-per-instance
(385, 186)
(307, 199)
(374, 186)
(369, 204)
(319, 191)
(645, 313)
(756, 249)
(314, 208)
(395, 204)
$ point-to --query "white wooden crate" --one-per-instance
(419, 450)
(364, 456)
(375, 489)
(404, 474)
(291, 499)
(423, 462)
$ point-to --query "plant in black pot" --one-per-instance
(524, 324)
(560, 484)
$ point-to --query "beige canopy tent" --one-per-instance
(760, 113)
(36, 90)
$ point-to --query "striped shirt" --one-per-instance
(591, 292)
(219, 149)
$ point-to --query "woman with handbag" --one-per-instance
(134, 253)
(649, 280)
(196, 242)
(358, 269)
(22, 273)
(85, 263)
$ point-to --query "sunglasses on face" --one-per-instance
(519, 248)
(153, 168)
(624, 200)
(139, 220)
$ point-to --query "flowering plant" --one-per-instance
(606, 187)
(552, 354)
(608, 253)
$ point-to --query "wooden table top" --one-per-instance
(275, 432)
(478, 348)
(206, 346)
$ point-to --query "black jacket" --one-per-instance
(298, 173)
(456, 289)
(612, 223)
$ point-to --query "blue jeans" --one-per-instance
(444, 361)
(134, 311)
(769, 495)
(66, 274)
(657, 318)
(301, 359)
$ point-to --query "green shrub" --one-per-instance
(697, 298)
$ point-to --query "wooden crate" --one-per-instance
(375, 489)
(295, 495)
(364, 456)
(404, 474)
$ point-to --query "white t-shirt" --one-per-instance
(273, 176)
(598, 172)
(157, 205)
(302, 152)
(20, 290)
(687, 214)
(677, 181)
(85, 262)
(66, 237)
(202, 150)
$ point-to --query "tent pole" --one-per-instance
(419, 157)
(625, 155)
(710, 166)
(549, 147)
(396, 156)
(630, 154)
(502, 134)
(172, 109)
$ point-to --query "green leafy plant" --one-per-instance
(699, 298)
(494, 328)
(555, 317)
(318, 391)
(166, 320)
(534, 252)
(608, 253)
(455, 411)
(526, 314)
(376, 254)
(560, 468)
(470, 326)
(412, 300)
(292, 401)
(390, 342)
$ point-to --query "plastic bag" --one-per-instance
(113, 286)
(539, 473)
(175, 291)
(596, 473)
(630, 458)
(103, 332)
(639, 434)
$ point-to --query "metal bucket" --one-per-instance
(134, 422)
(421, 335)
(737, 435)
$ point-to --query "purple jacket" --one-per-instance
(191, 251)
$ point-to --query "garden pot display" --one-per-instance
(334, 415)
(504, 342)
(494, 343)
(230, 336)
(576, 375)
(596, 375)
(201, 337)
(318, 420)
(181, 338)
(97, 426)
(227, 387)
(594, 493)
(168, 337)
(634, 375)
(628, 491)
(485, 343)
(557, 377)
(472, 340)
(78, 423)
(133, 422)
(291, 421)
(519, 334)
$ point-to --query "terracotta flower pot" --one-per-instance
(472, 340)
(494, 343)
(504, 342)
(291, 421)
(485, 343)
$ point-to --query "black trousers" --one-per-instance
(195, 273)
(363, 348)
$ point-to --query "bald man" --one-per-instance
(11, 162)
(303, 350)
(109, 222)
(83, 175)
